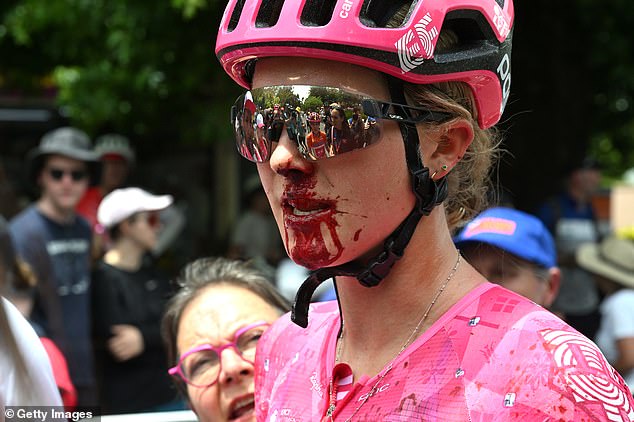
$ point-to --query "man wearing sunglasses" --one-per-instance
(55, 241)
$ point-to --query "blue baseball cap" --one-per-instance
(514, 231)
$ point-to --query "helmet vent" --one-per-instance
(383, 14)
(235, 15)
(269, 13)
(470, 27)
(317, 12)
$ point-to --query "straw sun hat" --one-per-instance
(613, 259)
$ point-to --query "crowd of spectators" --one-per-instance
(88, 283)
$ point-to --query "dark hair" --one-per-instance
(114, 232)
(199, 275)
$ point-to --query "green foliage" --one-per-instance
(147, 68)
(611, 57)
(143, 67)
(312, 103)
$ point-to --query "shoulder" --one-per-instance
(285, 338)
(620, 303)
(82, 225)
(622, 296)
(320, 317)
(512, 351)
(35, 358)
(25, 219)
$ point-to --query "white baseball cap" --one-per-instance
(122, 203)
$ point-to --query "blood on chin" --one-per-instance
(316, 249)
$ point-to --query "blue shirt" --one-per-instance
(59, 254)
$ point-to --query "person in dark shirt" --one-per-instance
(128, 300)
(55, 242)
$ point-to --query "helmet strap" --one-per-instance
(428, 192)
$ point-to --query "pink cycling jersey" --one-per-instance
(494, 356)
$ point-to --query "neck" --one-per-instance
(125, 255)
(372, 337)
(57, 214)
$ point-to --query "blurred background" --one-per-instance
(146, 69)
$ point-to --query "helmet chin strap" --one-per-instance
(428, 192)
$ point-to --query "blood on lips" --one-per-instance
(310, 248)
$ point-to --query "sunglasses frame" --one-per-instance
(58, 174)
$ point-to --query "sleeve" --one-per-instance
(42, 389)
(150, 327)
(106, 307)
(31, 247)
(61, 374)
(151, 332)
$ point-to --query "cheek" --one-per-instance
(205, 403)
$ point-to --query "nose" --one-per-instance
(286, 158)
(233, 368)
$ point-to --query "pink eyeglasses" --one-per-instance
(201, 365)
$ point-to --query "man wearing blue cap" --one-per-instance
(515, 250)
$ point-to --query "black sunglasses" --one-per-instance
(58, 174)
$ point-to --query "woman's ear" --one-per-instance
(449, 144)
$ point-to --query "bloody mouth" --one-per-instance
(305, 216)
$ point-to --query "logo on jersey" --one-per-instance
(588, 373)
(417, 45)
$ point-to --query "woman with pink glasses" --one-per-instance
(211, 329)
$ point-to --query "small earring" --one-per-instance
(444, 167)
(434, 174)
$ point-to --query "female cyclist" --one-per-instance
(416, 333)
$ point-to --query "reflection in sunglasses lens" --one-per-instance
(258, 124)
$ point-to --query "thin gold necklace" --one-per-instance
(388, 368)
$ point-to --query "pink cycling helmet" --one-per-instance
(354, 31)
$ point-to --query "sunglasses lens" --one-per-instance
(258, 123)
(58, 174)
(77, 175)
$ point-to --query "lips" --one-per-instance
(242, 408)
(303, 210)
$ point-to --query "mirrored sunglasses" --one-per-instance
(258, 125)
(58, 174)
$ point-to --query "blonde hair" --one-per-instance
(469, 181)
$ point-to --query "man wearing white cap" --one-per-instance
(128, 299)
